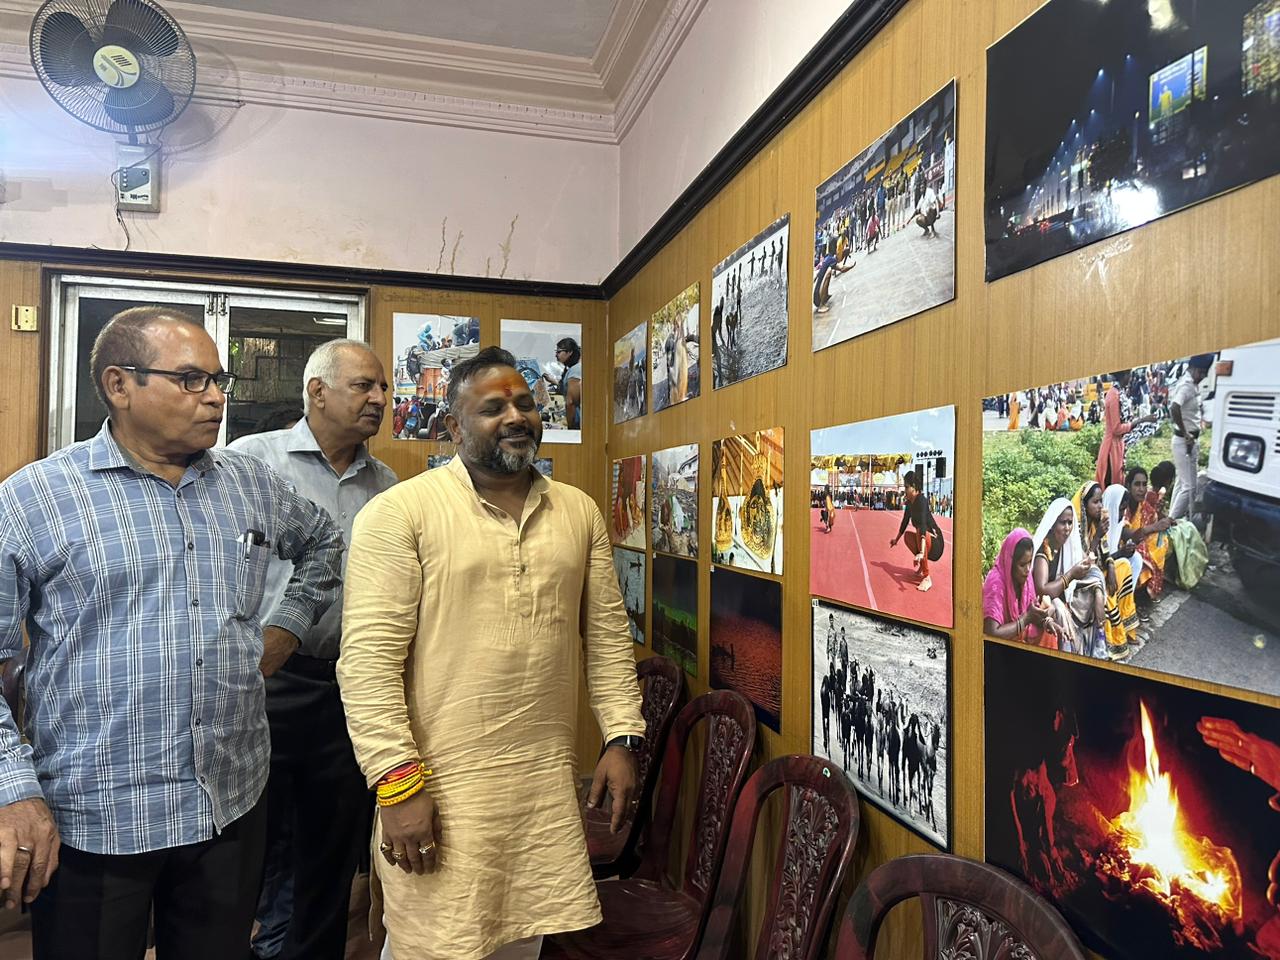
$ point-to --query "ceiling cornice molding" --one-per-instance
(677, 20)
(218, 86)
(283, 61)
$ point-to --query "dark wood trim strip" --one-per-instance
(303, 272)
(853, 31)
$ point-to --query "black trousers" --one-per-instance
(98, 906)
(318, 804)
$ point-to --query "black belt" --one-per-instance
(313, 667)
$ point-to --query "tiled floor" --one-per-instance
(15, 935)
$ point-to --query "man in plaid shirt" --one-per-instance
(137, 561)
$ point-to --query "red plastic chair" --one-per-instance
(614, 853)
(969, 909)
(821, 821)
(646, 917)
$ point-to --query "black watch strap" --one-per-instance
(631, 742)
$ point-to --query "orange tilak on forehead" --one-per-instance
(504, 380)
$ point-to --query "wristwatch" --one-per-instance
(631, 742)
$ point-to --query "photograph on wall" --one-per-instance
(675, 500)
(746, 641)
(627, 520)
(746, 501)
(549, 357)
(630, 567)
(629, 383)
(1145, 812)
(881, 713)
(675, 611)
(425, 347)
(673, 351)
(1130, 515)
(881, 514)
(749, 324)
(885, 241)
(1104, 116)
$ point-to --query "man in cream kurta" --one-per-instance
(475, 595)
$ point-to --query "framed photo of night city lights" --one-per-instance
(1145, 812)
(1104, 116)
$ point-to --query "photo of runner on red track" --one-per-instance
(882, 507)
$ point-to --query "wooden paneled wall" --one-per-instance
(1204, 278)
(22, 370)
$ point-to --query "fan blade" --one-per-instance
(146, 102)
(66, 50)
(140, 28)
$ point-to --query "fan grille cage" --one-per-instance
(62, 58)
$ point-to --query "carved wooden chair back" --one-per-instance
(969, 909)
(820, 824)
(731, 738)
(661, 687)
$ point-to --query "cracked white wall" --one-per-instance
(266, 183)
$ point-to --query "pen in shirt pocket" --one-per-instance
(253, 538)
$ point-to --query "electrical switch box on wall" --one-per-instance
(137, 177)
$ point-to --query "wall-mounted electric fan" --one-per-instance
(125, 66)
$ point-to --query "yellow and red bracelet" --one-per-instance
(402, 783)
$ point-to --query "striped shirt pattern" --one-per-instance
(145, 707)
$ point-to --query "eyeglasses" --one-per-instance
(193, 381)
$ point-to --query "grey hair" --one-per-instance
(322, 365)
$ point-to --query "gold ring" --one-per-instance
(424, 850)
(27, 850)
(397, 856)
(385, 847)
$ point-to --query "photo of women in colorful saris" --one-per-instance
(1134, 516)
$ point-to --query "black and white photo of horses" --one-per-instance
(881, 713)
(749, 307)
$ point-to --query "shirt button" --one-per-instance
(523, 568)
(197, 721)
(204, 780)
(200, 661)
(190, 545)
(195, 603)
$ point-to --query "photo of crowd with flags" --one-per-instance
(884, 240)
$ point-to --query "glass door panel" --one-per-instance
(267, 349)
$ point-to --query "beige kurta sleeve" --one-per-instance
(610, 665)
(379, 622)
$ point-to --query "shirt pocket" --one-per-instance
(244, 571)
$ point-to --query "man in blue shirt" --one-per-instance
(136, 561)
(318, 807)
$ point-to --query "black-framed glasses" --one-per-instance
(193, 381)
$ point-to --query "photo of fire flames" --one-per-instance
(1148, 813)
